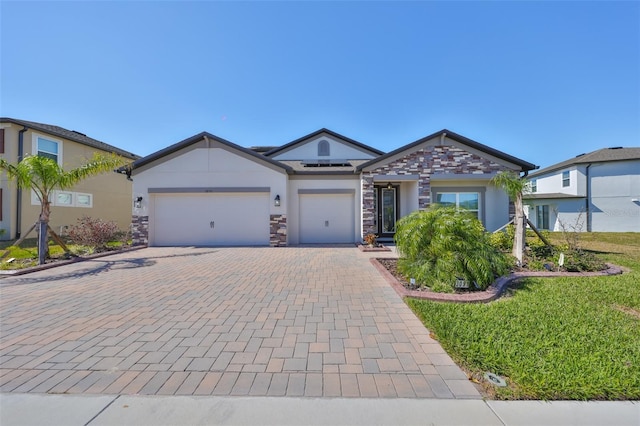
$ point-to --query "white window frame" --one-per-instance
(74, 199)
(457, 194)
(34, 144)
(82, 194)
(57, 200)
(534, 185)
(567, 179)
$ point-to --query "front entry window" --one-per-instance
(388, 210)
(385, 201)
(463, 200)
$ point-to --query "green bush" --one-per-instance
(443, 244)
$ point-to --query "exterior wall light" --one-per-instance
(137, 203)
(389, 186)
(276, 201)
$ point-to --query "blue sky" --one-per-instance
(543, 81)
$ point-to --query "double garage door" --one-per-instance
(225, 219)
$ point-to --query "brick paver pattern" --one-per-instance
(296, 321)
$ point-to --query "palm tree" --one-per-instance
(515, 187)
(43, 175)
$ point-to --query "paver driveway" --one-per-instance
(297, 321)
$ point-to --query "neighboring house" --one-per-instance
(106, 196)
(321, 188)
(598, 191)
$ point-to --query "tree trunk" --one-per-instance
(520, 234)
(43, 247)
(43, 225)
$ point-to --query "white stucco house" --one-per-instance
(597, 191)
(320, 188)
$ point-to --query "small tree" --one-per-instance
(442, 244)
(43, 175)
(515, 187)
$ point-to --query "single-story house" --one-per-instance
(106, 196)
(597, 191)
(320, 188)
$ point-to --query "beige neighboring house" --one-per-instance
(107, 196)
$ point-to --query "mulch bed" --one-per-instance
(389, 270)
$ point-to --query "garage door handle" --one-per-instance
(212, 224)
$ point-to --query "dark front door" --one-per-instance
(386, 202)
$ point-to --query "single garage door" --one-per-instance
(225, 219)
(327, 218)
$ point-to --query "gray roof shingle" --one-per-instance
(599, 156)
(70, 135)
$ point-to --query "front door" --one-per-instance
(386, 202)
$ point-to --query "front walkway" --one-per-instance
(297, 321)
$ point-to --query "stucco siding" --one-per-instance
(309, 150)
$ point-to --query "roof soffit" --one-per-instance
(205, 140)
(313, 137)
(438, 139)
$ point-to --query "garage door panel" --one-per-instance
(211, 219)
(326, 218)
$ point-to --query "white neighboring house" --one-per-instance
(598, 191)
(320, 188)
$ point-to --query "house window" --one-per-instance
(323, 149)
(45, 147)
(84, 200)
(542, 217)
(463, 200)
(566, 180)
(1, 141)
(64, 199)
(534, 185)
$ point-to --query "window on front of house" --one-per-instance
(84, 200)
(534, 185)
(542, 217)
(463, 200)
(48, 148)
(323, 149)
(566, 180)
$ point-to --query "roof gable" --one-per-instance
(366, 150)
(209, 140)
(599, 156)
(443, 135)
(71, 135)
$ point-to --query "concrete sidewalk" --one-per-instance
(70, 410)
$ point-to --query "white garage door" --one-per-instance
(326, 218)
(227, 219)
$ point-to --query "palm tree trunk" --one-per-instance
(520, 234)
(43, 225)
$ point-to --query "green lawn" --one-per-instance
(553, 338)
(26, 255)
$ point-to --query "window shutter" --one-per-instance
(1, 141)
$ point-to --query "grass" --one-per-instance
(26, 255)
(553, 338)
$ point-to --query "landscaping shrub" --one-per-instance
(443, 244)
(94, 233)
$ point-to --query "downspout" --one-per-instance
(587, 200)
(19, 190)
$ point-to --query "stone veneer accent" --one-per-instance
(140, 230)
(278, 224)
(423, 163)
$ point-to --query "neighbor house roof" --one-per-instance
(549, 196)
(197, 138)
(72, 135)
(290, 145)
(600, 156)
(526, 166)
